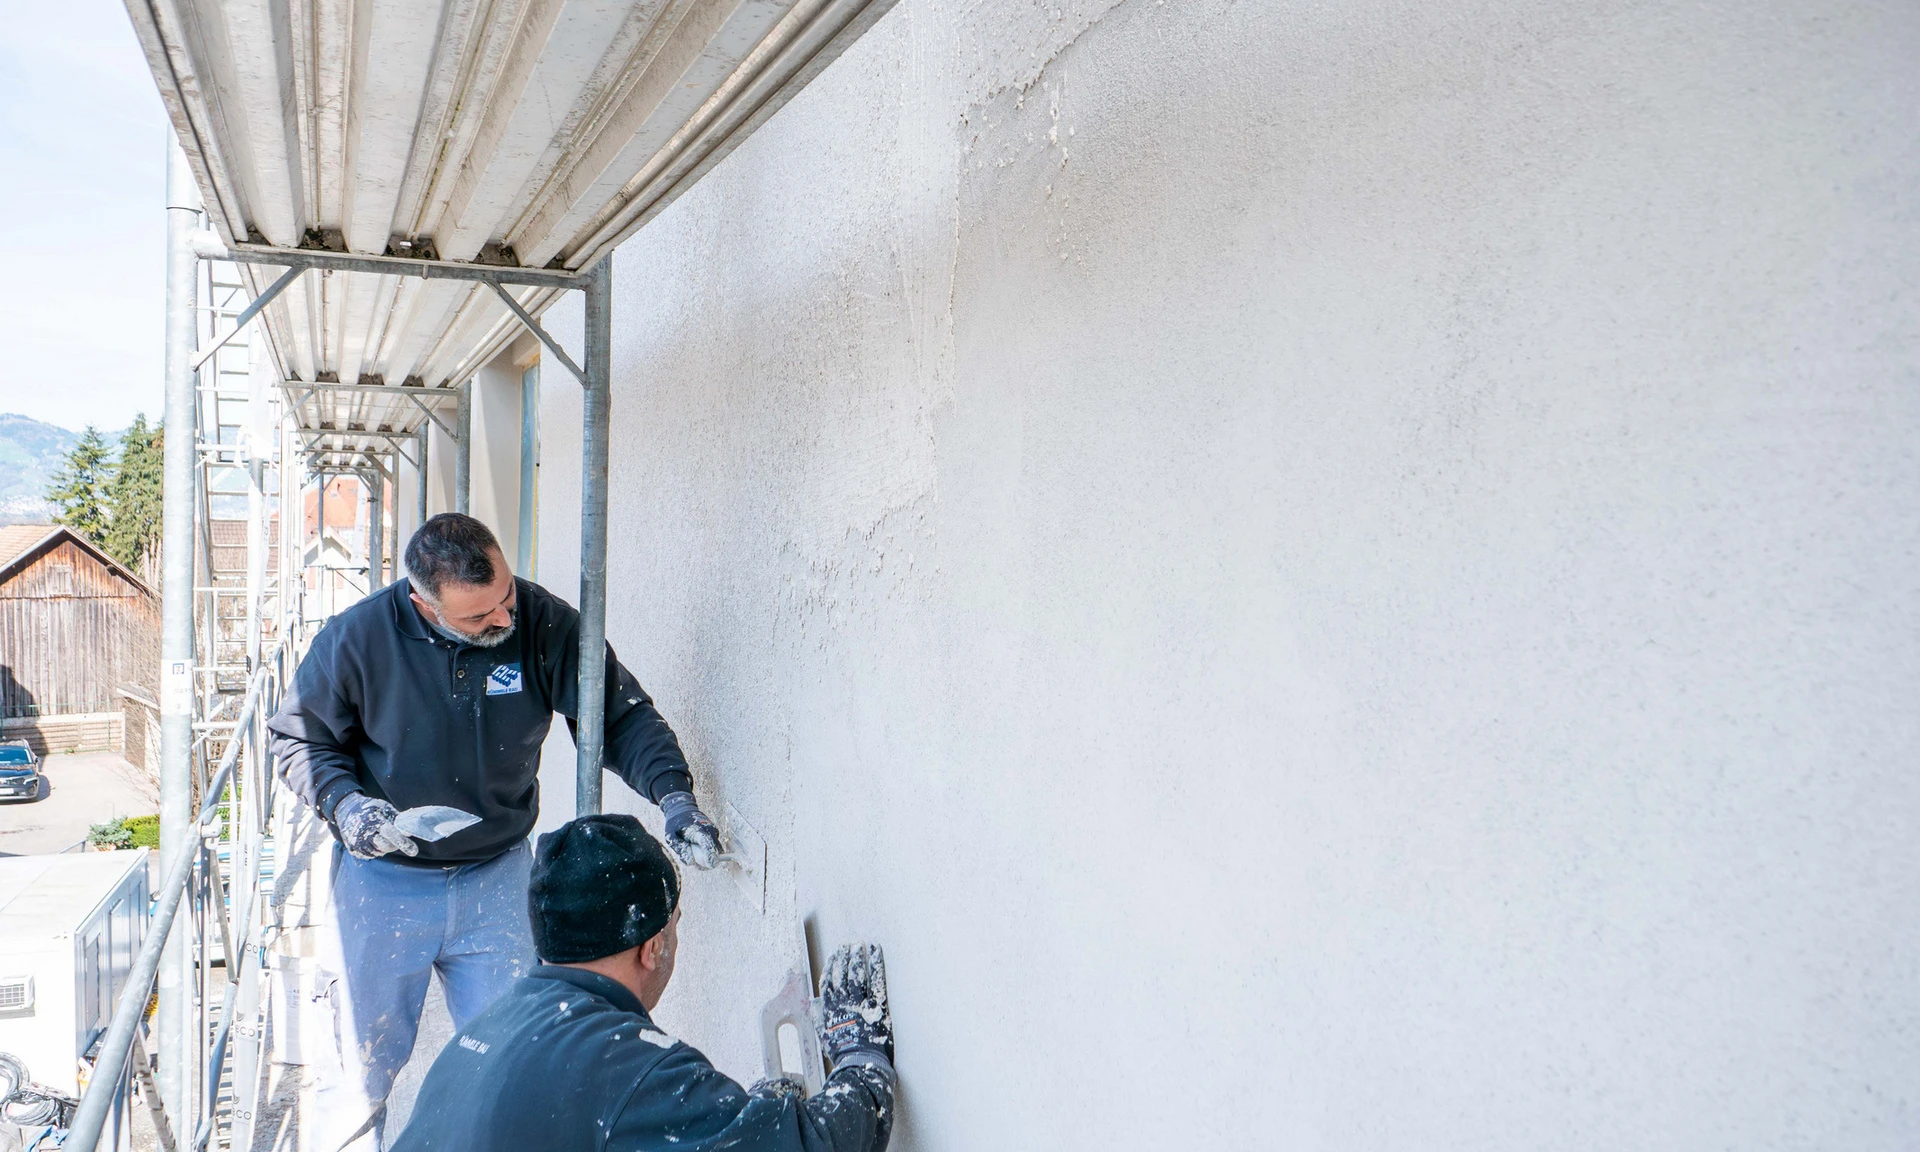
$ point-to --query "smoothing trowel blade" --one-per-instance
(433, 821)
(746, 858)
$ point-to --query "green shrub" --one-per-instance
(112, 834)
(132, 832)
(145, 830)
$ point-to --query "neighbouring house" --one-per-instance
(79, 645)
(227, 552)
(333, 576)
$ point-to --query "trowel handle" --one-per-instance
(793, 1005)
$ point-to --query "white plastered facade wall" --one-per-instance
(494, 485)
(494, 497)
(406, 506)
(1320, 577)
(440, 466)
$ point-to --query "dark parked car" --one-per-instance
(19, 771)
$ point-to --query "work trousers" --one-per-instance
(392, 925)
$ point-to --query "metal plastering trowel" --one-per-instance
(793, 1005)
(745, 858)
(797, 1059)
(433, 821)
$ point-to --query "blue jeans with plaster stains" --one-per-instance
(395, 924)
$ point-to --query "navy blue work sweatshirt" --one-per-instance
(569, 1061)
(383, 704)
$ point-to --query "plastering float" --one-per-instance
(745, 858)
(794, 1005)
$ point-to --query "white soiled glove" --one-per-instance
(366, 827)
(692, 836)
(854, 1015)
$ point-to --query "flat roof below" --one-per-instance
(43, 897)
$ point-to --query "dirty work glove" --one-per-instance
(690, 834)
(855, 1024)
(366, 827)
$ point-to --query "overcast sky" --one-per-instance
(83, 142)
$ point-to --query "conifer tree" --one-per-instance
(133, 497)
(78, 489)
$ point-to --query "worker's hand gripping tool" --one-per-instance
(691, 835)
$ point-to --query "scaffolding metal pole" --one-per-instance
(529, 462)
(596, 413)
(256, 555)
(320, 551)
(177, 1017)
(391, 487)
(293, 526)
(426, 438)
(463, 449)
(376, 532)
(390, 265)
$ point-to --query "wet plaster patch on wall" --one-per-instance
(1319, 577)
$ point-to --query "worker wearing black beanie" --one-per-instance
(600, 885)
(571, 1058)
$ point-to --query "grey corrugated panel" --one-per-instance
(496, 134)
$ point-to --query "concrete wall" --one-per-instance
(1321, 576)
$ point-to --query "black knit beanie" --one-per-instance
(600, 885)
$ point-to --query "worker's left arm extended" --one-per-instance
(639, 744)
(684, 1103)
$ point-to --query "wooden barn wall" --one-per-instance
(73, 633)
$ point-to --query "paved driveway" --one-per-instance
(82, 789)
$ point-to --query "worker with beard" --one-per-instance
(438, 691)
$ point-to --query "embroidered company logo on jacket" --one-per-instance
(504, 680)
(472, 1045)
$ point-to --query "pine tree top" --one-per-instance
(133, 496)
(78, 488)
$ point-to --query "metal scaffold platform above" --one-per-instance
(415, 151)
(368, 203)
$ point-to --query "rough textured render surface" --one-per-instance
(1321, 576)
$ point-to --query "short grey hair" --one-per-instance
(450, 548)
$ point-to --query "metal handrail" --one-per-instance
(110, 1067)
(215, 1063)
(216, 1059)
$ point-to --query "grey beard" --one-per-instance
(488, 639)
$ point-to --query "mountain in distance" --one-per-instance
(30, 453)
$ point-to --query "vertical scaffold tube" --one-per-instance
(463, 448)
(177, 1016)
(320, 551)
(529, 460)
(256, 552)
(391, 489)
(595, 420)
(376, 530)
(426, 438)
